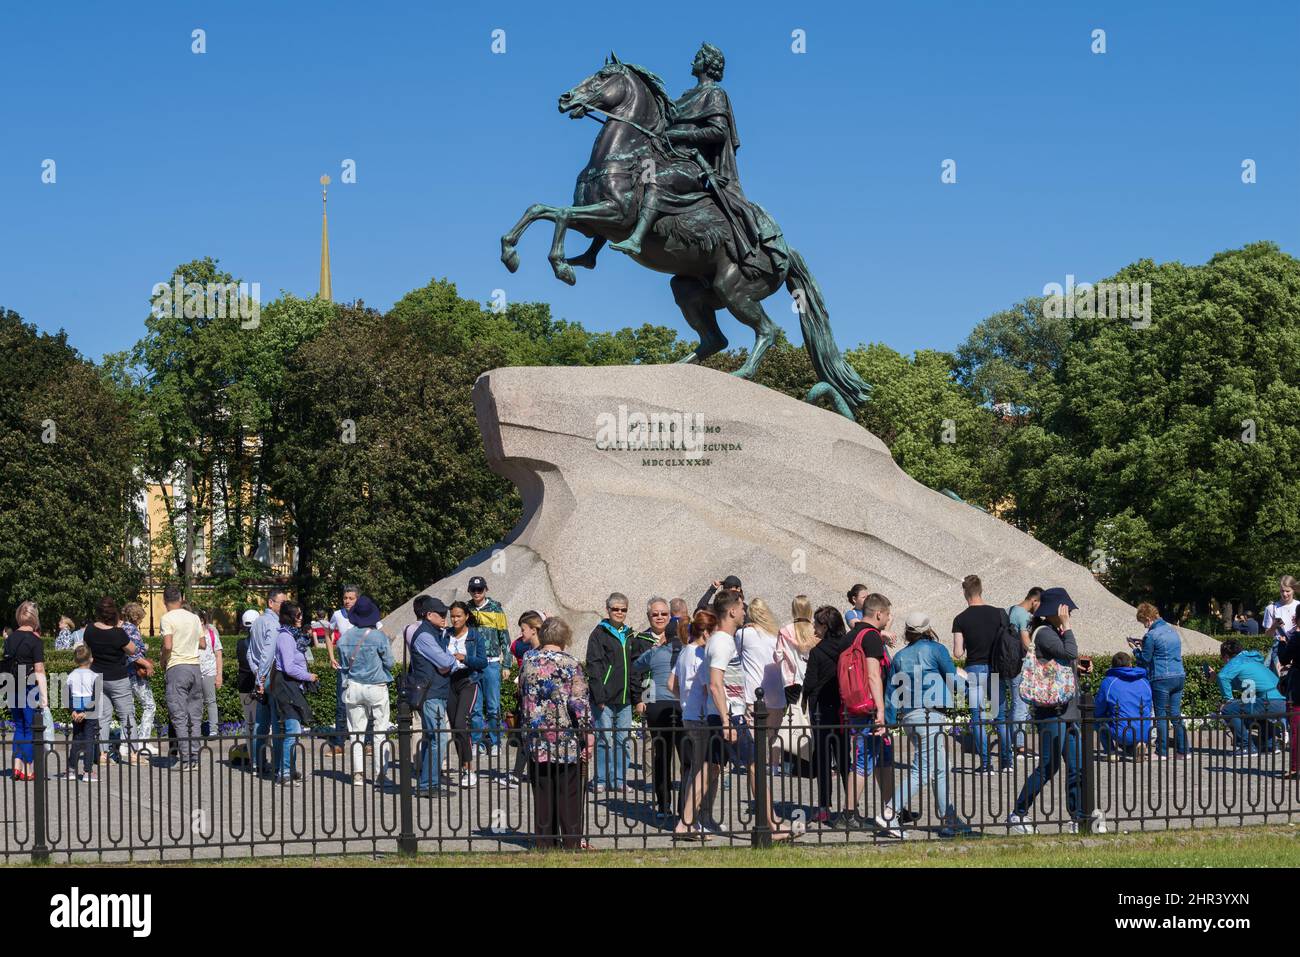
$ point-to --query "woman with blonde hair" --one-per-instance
(756, 644)
(1280, 617)
(794, 643)
(24, 646)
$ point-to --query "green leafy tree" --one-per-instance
(1162, 455)
(378, 458)
(68, 490)
(204, 381)
(933, 428)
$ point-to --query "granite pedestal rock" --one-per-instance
(791, 498)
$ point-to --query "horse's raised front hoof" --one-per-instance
(509, 256)
(564, 273)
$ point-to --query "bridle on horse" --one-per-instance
(658, 139)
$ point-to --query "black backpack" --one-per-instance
(9, 663)
(1008, 653)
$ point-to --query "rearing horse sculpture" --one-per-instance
(630, 151)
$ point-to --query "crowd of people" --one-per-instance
(700, 681)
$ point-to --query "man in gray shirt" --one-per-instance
(261, 659)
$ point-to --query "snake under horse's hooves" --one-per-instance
(826, 389)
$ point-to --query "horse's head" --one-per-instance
(605, 90)
(614, 90)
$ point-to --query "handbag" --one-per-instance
(796, 734)
(1046, 684)
(413, 690)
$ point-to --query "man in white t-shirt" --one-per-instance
(339, 626)
(1280, 617)
(182, 632)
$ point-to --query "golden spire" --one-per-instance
(325, 291)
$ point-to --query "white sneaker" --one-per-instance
(510, 781)
(468, 779)
(1019, 825)
(496, 751)
(889, 826)
(1070, 827)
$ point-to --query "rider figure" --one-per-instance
(705, 127)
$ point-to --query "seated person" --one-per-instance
(1260, 704)
(1124, 706)
(1245, 624)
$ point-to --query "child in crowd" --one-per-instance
(83, 687)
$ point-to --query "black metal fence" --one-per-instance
(824, 783)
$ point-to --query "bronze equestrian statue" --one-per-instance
(662, 184)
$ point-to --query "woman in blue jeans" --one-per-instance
(1160, 652)
(1058, 725)
(289, 692)
(27, 651)
(921, 677)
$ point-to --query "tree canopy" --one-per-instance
(69, 522)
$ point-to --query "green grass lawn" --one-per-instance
(1260, 846)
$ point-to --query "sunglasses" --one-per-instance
(658, 614)
(615, 610)
(477, 591)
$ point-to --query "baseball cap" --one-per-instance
(248, 618)
(430, 604)
(478, 583)
(731, 581)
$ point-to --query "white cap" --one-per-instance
(249, 618)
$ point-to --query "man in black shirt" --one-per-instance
(975, 634)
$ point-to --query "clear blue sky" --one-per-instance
(1067, 161)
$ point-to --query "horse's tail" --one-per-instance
(827, 361)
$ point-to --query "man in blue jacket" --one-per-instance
(430, 664)
(1260, 700)
(1124, 703)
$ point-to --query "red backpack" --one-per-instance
(855, 690)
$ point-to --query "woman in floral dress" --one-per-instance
(556, 710)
